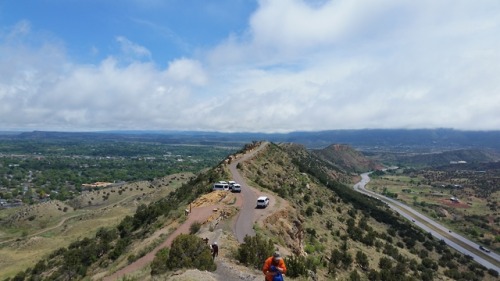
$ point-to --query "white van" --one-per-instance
(220, 186)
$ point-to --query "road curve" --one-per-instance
(245, 219)
(456, 241)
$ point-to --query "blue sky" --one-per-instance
(254, 66)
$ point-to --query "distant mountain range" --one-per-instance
(445, 158)
(421, 140)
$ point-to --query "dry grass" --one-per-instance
(35, 231)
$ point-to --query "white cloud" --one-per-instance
(132, 50)
(380, 64)
(301, 65)
(42, 89)
(187, 70)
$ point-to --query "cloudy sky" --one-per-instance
(253, 66)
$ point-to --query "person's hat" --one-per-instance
(276, 255)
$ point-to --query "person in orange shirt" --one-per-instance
(274, 265)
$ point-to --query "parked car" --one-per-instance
(262, 202)
(236, 187)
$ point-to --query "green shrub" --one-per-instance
(362, 260)
(309, 211)
(195, 227)
(189, 251)
(308, 248)
(354, 276)
(296, 266)
(159, 264)
(255, 250)
(131, 258)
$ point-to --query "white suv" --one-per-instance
(236, 187)
(262, 202)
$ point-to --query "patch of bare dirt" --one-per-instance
(287, 224)
(31, 243)
(214, 198)
(192, 275)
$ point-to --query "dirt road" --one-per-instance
(248, 197)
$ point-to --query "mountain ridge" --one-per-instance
(338, 232)
(347, 158)
(363, 139)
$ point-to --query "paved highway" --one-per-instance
(456, 241)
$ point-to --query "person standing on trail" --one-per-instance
(215, 250)
(274, 267)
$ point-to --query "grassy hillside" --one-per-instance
(318, 222)
(347, 159)
(31, 233)
(343, 233)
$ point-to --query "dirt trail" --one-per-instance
(197, 214)
(44, 230)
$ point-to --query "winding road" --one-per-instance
(245, 220)
(490, 260)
